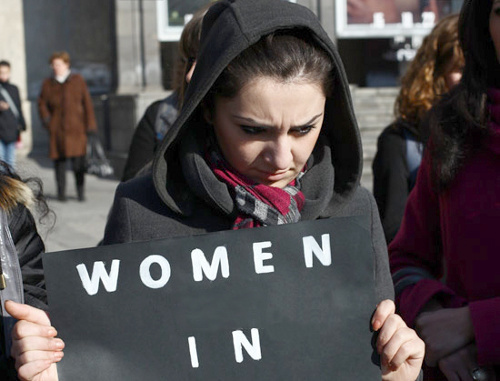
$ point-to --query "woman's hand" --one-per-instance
(444, 331)
(459, 365)
(401, 350)
(35, 348)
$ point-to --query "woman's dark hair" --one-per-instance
(189, 45)
(459, 123)
(286, 56)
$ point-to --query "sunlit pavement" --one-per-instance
(77, 224)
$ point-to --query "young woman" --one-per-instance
(444, 259)
(266, 136)
(437, 67)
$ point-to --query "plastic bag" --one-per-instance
(96, 162)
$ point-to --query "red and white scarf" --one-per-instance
(258, 204)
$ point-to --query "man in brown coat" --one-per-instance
(66, 111)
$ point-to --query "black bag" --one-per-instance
(96, 162)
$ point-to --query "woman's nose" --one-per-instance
(279, 153)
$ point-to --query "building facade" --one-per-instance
(125, 49)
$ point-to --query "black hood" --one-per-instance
(229, 27)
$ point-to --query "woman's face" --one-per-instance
(452, 78)
(495, 26)
(268, 131)
(59, 67)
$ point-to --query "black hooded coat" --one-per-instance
(182, 196)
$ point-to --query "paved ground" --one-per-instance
(77, 224)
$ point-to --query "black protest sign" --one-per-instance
(291, 302)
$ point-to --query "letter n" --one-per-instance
(91, 284)
(253, 348)
(324, 253)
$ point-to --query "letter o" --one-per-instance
(146, 274)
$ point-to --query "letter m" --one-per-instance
(202, 266)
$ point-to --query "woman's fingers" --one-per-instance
(384, 309)
(24, 328)
(38, 356)
(458, 365)
(36, 343)
(392, 334)
(401, 350)
(404, 347)
(41, 369)
(25, 312)
(35, 347)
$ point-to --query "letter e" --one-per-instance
(259, 257)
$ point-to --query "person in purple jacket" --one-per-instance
(445, 258)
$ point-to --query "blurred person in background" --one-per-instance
(436, 68)
(67, 113)
(11, 116)
(160, 115)
(444, 259)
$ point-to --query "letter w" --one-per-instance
(202, 266)
(91, 284)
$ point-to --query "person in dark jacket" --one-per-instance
(17, 197)
(11, 116)
(266, 136)
(67, 113)
(436, 68)
(161, 115)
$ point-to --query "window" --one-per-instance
(390, 18)
(172, 15)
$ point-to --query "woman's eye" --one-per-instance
(303, 130)
(496, 10)
(252, 130)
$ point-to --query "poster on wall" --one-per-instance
(390, 18)
(172, 15)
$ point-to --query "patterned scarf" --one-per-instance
(258, 204)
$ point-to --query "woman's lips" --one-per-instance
(274, 176)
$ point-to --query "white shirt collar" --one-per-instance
(62, 78)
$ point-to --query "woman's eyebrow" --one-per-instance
(250, 120)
